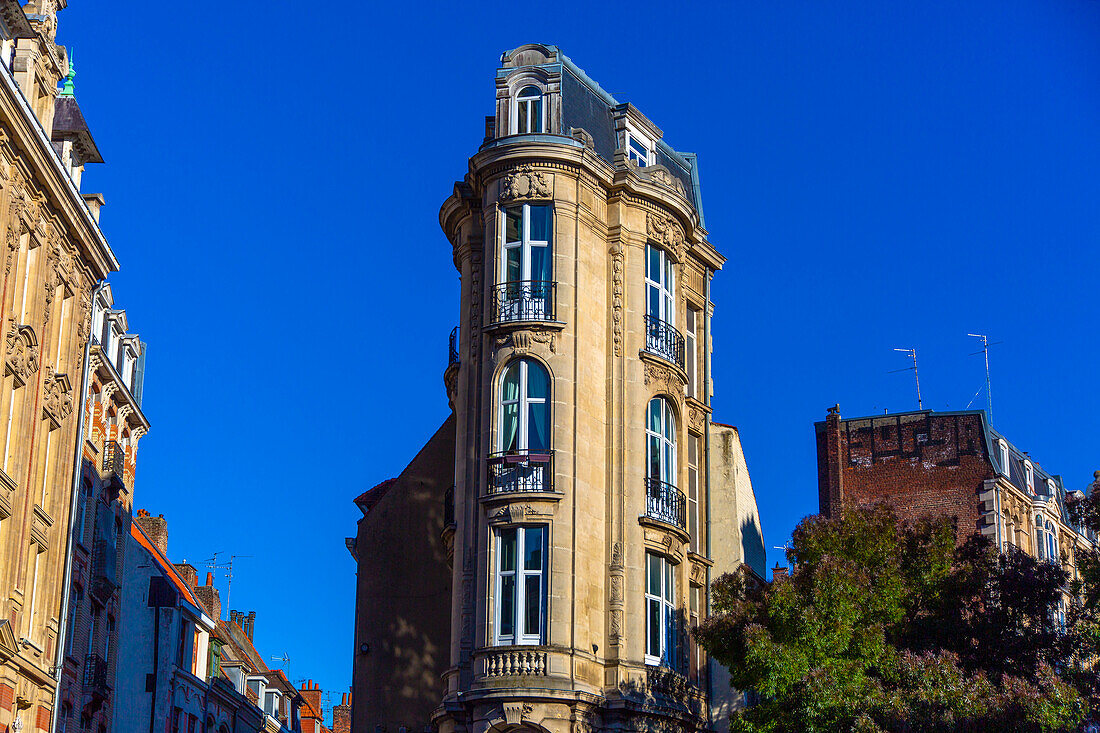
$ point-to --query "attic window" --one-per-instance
(1002, 450)
(529, 111)
(1029, 476)
(637, 149)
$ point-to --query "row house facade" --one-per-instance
(538, 565)
(53, 256)
(182, 667)
(113, 424)
(951, 464)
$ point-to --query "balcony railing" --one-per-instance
(95, 676)
(524, 300)
(665, 503)
(524, 470)
(452, 347)
(662, 339)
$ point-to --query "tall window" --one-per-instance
(1029, 476)
(693, 493)
(691, 354)
(522, 462)
(74, 613)
(662, 338)
(91, 630)
(663, 500)
(526, 288)
(696, 668)
(1046, 540)
(529, 110)
(108, 633)
(660, 614)
(1002, 453)
(521, 585)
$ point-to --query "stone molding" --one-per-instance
(57, 397)
(21, 351)
(525, 183)
(524, 340)
(667, 232)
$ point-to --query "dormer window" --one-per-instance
(528, 115)
(1002, 449)
(1029, 477)
(637, 149)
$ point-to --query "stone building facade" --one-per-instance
(950, 464)
(53, 255)
(582, 494)
(113, 425)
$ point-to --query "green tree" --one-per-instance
(887, 626)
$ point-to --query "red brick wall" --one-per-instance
(920, 463)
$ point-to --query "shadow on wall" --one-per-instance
(752, 547)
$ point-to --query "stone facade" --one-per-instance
(591, 504)
(53, 255)
(949, 464)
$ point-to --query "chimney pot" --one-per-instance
(210, 578)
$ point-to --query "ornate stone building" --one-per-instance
(53, 255)
(585, 497)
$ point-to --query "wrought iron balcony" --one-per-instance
(662, 339)
(524, 300)
(449, 507)
(452, 350)
(665, 503)
(95, 676)
(522, 470)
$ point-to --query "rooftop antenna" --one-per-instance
(912, 355)
(229, 577)
(214, 566)
(285, 659)
(988, 384)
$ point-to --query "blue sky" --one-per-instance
(879, 175)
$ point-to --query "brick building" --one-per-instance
(949, 464)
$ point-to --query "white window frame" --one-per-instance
(1029, 476)
(665, 286)
(519, 637)
(693, 499)
(665, 601)
(691, 325)
(666, 439)
(518, 99)
(1002, 447)
(523, 402)
(631, 135)
(525, 244)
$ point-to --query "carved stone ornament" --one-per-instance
(617, 267)
(52, 277)
(664, 380)
(84, 327)
(12, 241)
(665, 231)
(617, 556)
(616, 589)
(616, 630)
(523, 341)
(698, 574)
(663, 176)
(697, 419)
(513, 513)
(475, 302)
(21, 351)
(524, 182)
(57, 397)
(515, 712)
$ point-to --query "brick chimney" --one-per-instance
(188, 573)
(341, 715)
(210, 598)
(249, 624)
(311, 693)
(830, 473)
(156, 528)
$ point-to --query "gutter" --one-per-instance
(706, 449)
(78, 471)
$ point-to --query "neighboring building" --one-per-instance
(113, 424)
(949, 464)
(341, 715)
(313, 715)
(538, 562)
(53, 255)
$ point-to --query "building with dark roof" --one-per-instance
(538, 563)
(950, 464)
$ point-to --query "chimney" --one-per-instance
(830, 473)
(249, 624)
(156, 528)
(341, 715)
(188, 573)
(210, 598)
(311, 694)
(780, 571)
(94, 202)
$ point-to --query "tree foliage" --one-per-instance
(887, 626)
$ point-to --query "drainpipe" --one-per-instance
(706, 450)
(78, 471)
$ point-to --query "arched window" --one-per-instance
(522, 460)
(663, 500)
(1002, 454)
(528, 110)
(1046, 540)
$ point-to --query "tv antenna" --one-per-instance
(912, 355)
(215, 566)
(988, 384)
(285, 659)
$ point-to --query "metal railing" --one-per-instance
(95, 675)
(449, 507)
(524, 300)
(104, 570)
(522, 470)
(665, 503)
(662, 339)
(452, 347)
(114, 459)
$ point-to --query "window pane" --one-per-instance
(669, 581)
(668, 469)
(670, 426)
(540, 269)
(653, 301)
(693, 450)
(538, 382)
(521, 126)
(532, 601)
(513, 267)
(507, 550)
(536, 115)
(653, 628)
(532, 548)
(512, 225)
(654, 575)
(511, 382)
(655, 415)
(540, 223)
(653, 269)
(530, 91)
(654, 452)
(507, 605)
(538, 426)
